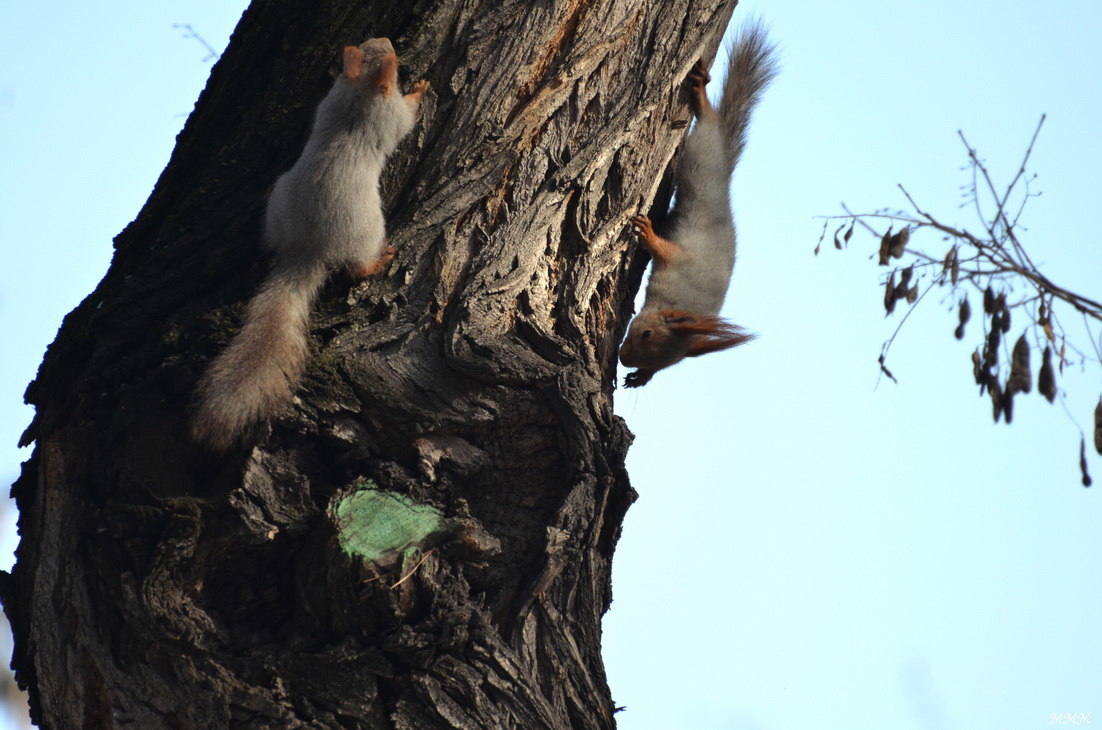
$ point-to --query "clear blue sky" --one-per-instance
(810, 550)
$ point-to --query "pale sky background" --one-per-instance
(810, 549)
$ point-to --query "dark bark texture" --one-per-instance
(157, 586)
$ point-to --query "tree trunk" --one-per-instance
(462, 401)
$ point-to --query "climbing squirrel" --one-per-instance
(692, 267)
(323, 214)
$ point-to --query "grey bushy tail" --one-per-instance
(255, 376)
(751, 65)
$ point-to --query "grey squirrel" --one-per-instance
(692, 267)
(324, 213)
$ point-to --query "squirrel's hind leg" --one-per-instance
(698, 80)
(363, 270)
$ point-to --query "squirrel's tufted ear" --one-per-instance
(353, 63)
(719, 341)
(678, 320)
(710, 334)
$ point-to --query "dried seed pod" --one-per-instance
(991, 351)
(1019, 380)
(965, 315)
(1046, 378)
(996, 399)
(898, 243)
(912, 294)
(889, 294)
(837, 243)
(988, 301)
(905, 276)
(1008, 407)
(955, 272)
(849, 233)
(982, 372)
(1004, 321)
(1098, 427)
(885, 247)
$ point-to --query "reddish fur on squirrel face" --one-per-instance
(660, 339)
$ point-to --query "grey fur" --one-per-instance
(701, 222)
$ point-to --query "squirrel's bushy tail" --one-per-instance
(751, 65)
(256, 375)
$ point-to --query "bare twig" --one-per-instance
(190, 33)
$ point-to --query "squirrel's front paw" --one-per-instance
(638, 378)
(643, 227)
(420, 87)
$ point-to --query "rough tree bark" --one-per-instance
(471, 386)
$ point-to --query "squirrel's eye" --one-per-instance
(647, 333)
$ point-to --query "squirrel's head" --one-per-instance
(375, 49)
(374, 61)
(661, 338)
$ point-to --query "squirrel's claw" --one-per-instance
(644, 230)
(699, 73)
(638, 378)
